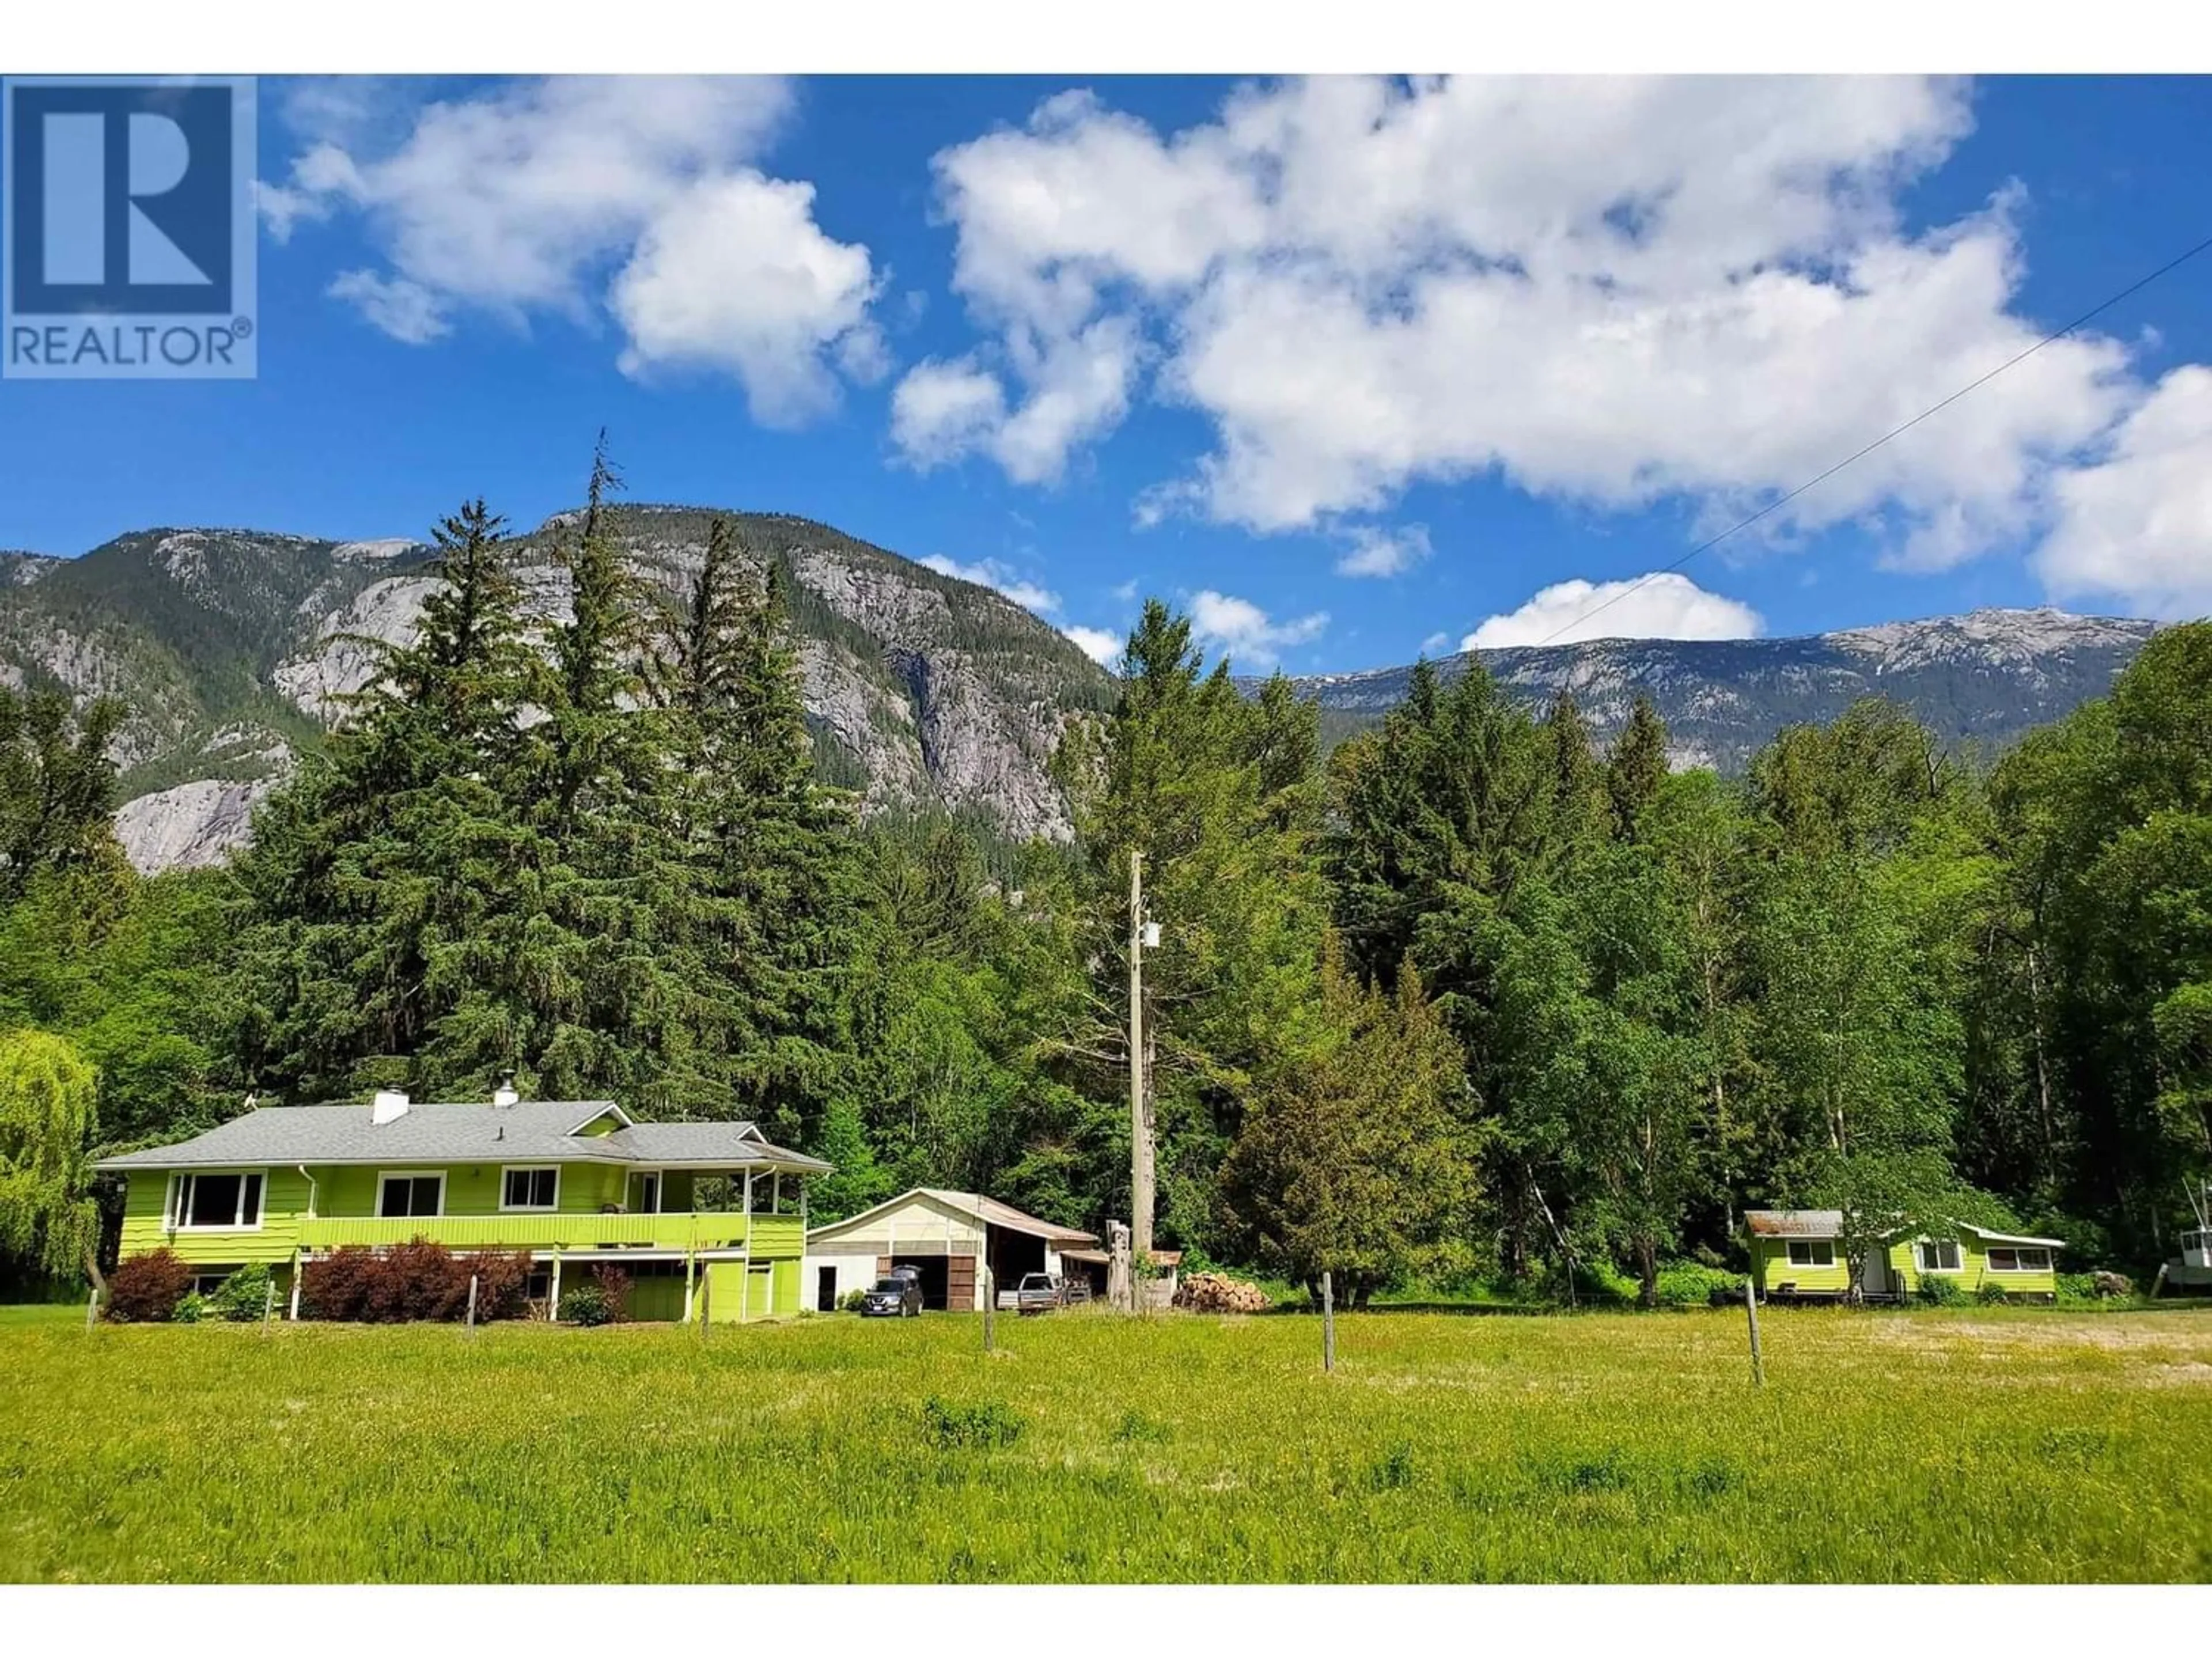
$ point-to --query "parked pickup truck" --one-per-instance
(1039, 1293)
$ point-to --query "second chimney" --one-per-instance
(504, 1095)
(389, 1104)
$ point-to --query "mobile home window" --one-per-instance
(211, 1198)
(1939, 1255)
(530, 1190)
(2006, 1259)
(399, 1196)
(1812, 1253)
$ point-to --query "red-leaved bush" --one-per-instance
(144, 1290)
(416, 1281)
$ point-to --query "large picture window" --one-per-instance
(2021, 1259)
(217, 1198)
(399, 1196)
(1939, 1255)
(536, 1188)
(1812, 1253)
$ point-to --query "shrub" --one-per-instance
(146, 1289)
(1940, 1291)
(852, 1300)
(502, 1283)
(192, 1308)
(336, 1286)
(1991, 1295)
(614, 1284)
(586, 1304)
(417, 1281)
(1693, 1284)
(421, 1280)
(985, 1425)
(244, 1295)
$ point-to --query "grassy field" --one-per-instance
(1981, 1445)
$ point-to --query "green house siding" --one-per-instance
(1772, 1268)
(1974, 1271)
(344, 1200)
(146, 1223)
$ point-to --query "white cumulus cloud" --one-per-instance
(992, 573)
(1610, 292)
(1242, 631)
(1666, 605)
(2137, 523)
(1378, 552)
(578, 196)
(1101, 645)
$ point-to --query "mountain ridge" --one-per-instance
(235, 647)
(1982, 676)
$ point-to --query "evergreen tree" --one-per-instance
(1359, 1158)
(1636, 768)
(57, 786)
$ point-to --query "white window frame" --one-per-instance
(507, 1169)
(2017, 1251)
(383, 1176)
(659, 1179)
(1808, 1245)
(180, 1183)
(1924, 1263)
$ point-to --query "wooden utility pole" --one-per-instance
(1140, 1114)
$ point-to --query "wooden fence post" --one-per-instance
(472, 1304)
(91, 1309)
(1751, 1312)
(707, 1299)
(1327, 1321)
(990, 1310)
(267, 1306)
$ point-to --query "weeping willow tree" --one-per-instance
(48, 1115)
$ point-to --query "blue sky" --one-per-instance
(1351, 369)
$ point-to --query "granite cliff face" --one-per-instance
(235, 650)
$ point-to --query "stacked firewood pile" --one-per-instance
(1219, 1293)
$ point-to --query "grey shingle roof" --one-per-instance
(460, 1132)
(702, 1143)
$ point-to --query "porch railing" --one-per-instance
(768, 1235)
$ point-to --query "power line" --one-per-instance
(2096, 310)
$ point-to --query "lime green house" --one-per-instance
(1800, 1253)
(706, 1219)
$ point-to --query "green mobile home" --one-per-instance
(1799, 1253)
(707, 1219)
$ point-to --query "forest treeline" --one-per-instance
(1467, 995)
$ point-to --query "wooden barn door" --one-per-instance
(960, 1283)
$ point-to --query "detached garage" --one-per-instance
(953, 1238)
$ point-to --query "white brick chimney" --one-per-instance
(389, 1105)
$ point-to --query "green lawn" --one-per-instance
(1984, 1444)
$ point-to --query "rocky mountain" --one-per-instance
(234, 650)
(1983, 678)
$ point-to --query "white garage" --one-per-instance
(959, 1240)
